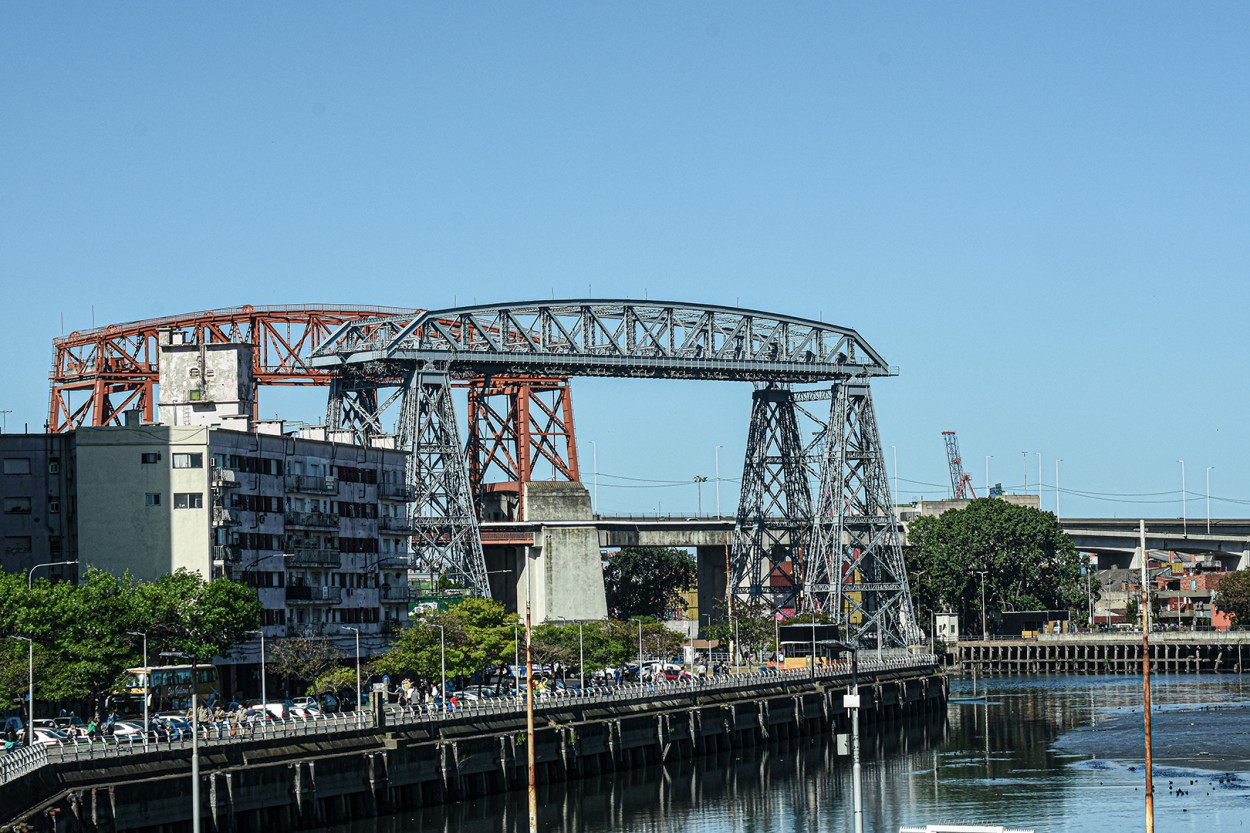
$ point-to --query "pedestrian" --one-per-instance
(92, 729)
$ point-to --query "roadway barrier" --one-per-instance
(20, 761)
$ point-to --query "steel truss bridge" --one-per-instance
(815, 528)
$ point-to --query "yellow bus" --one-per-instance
(167, 686)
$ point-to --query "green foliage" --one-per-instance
(478, 632)
(335, 681)
(1030, 562)
(1233, 597)
(648, 581)
(80, 630)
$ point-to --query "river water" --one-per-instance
(1044, 753)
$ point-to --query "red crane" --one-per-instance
(961, 481)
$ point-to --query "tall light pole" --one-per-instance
(30, 577)
(699, 480)
(639, 621)
(195, 738)
(147, 683)
(1039, 480)
(984, 632)
(1209, 499)
(581, 654)
(264, 693)
(1184, 502)
(894, 449)
(988, 457)
(30, 695)
(359, 693)
(1025, 456)
(717, 453)
(594, 450)
(531, 785)
(1057, 462)
(442, 662)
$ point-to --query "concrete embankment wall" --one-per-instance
(265, 785)
(1182, 654)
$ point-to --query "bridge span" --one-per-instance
(1113, 540)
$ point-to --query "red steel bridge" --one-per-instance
(815, 527)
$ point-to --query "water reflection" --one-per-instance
(1051, 753)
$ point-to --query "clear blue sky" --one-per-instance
(1039, 212)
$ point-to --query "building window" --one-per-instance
(188, 461)
(188, 500)
(17, 544)
(54, 465)
(54, 506)
(195, 396)
(17, 506)
(17, 465)
(149, 457)
(152, 499)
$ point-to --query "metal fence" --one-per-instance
(19, 761)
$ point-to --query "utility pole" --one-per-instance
(1145, 673)
(699, 480)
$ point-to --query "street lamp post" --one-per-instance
(1184, 502)
(359, 693)
(639, 621)
(195, 738)
(594, 452)
(988, 457)
(894, 449)
(699, 480)
(30, 577)
(264, 693)
(442, 663)
(147, 683)
(1025, 455)
(30, 695)
(581, 654)
(1209, 499)
(717, 453)
(984, 632)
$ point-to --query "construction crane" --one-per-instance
(961, 481)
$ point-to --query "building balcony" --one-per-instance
(319, 520)
(314, 595)
(403, 524)
(393, 594)
(223, 516)
(306, 629)
(312, 484)
(396, 491)
(228, 553)
(314, 558)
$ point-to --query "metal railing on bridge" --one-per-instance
(21, 760)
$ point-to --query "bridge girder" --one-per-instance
(621, 338)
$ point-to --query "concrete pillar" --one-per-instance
(566, 579)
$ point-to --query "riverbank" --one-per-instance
(310, 781)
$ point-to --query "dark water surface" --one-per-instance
(1048, 753)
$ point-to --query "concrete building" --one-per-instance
(38, 522)
(316, 524)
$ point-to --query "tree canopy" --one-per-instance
(80, 630)
(1030, 563)
(1233, 597)
(648, 581)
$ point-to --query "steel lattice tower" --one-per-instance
(856, 570)
(444, 518)
(774, 511)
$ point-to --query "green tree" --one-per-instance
(648, 581)
(1233, 597)
(1029, 561)
(477, 633)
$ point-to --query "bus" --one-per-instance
(169, 688)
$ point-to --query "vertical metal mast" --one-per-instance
(775, 508)
(856, 570)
